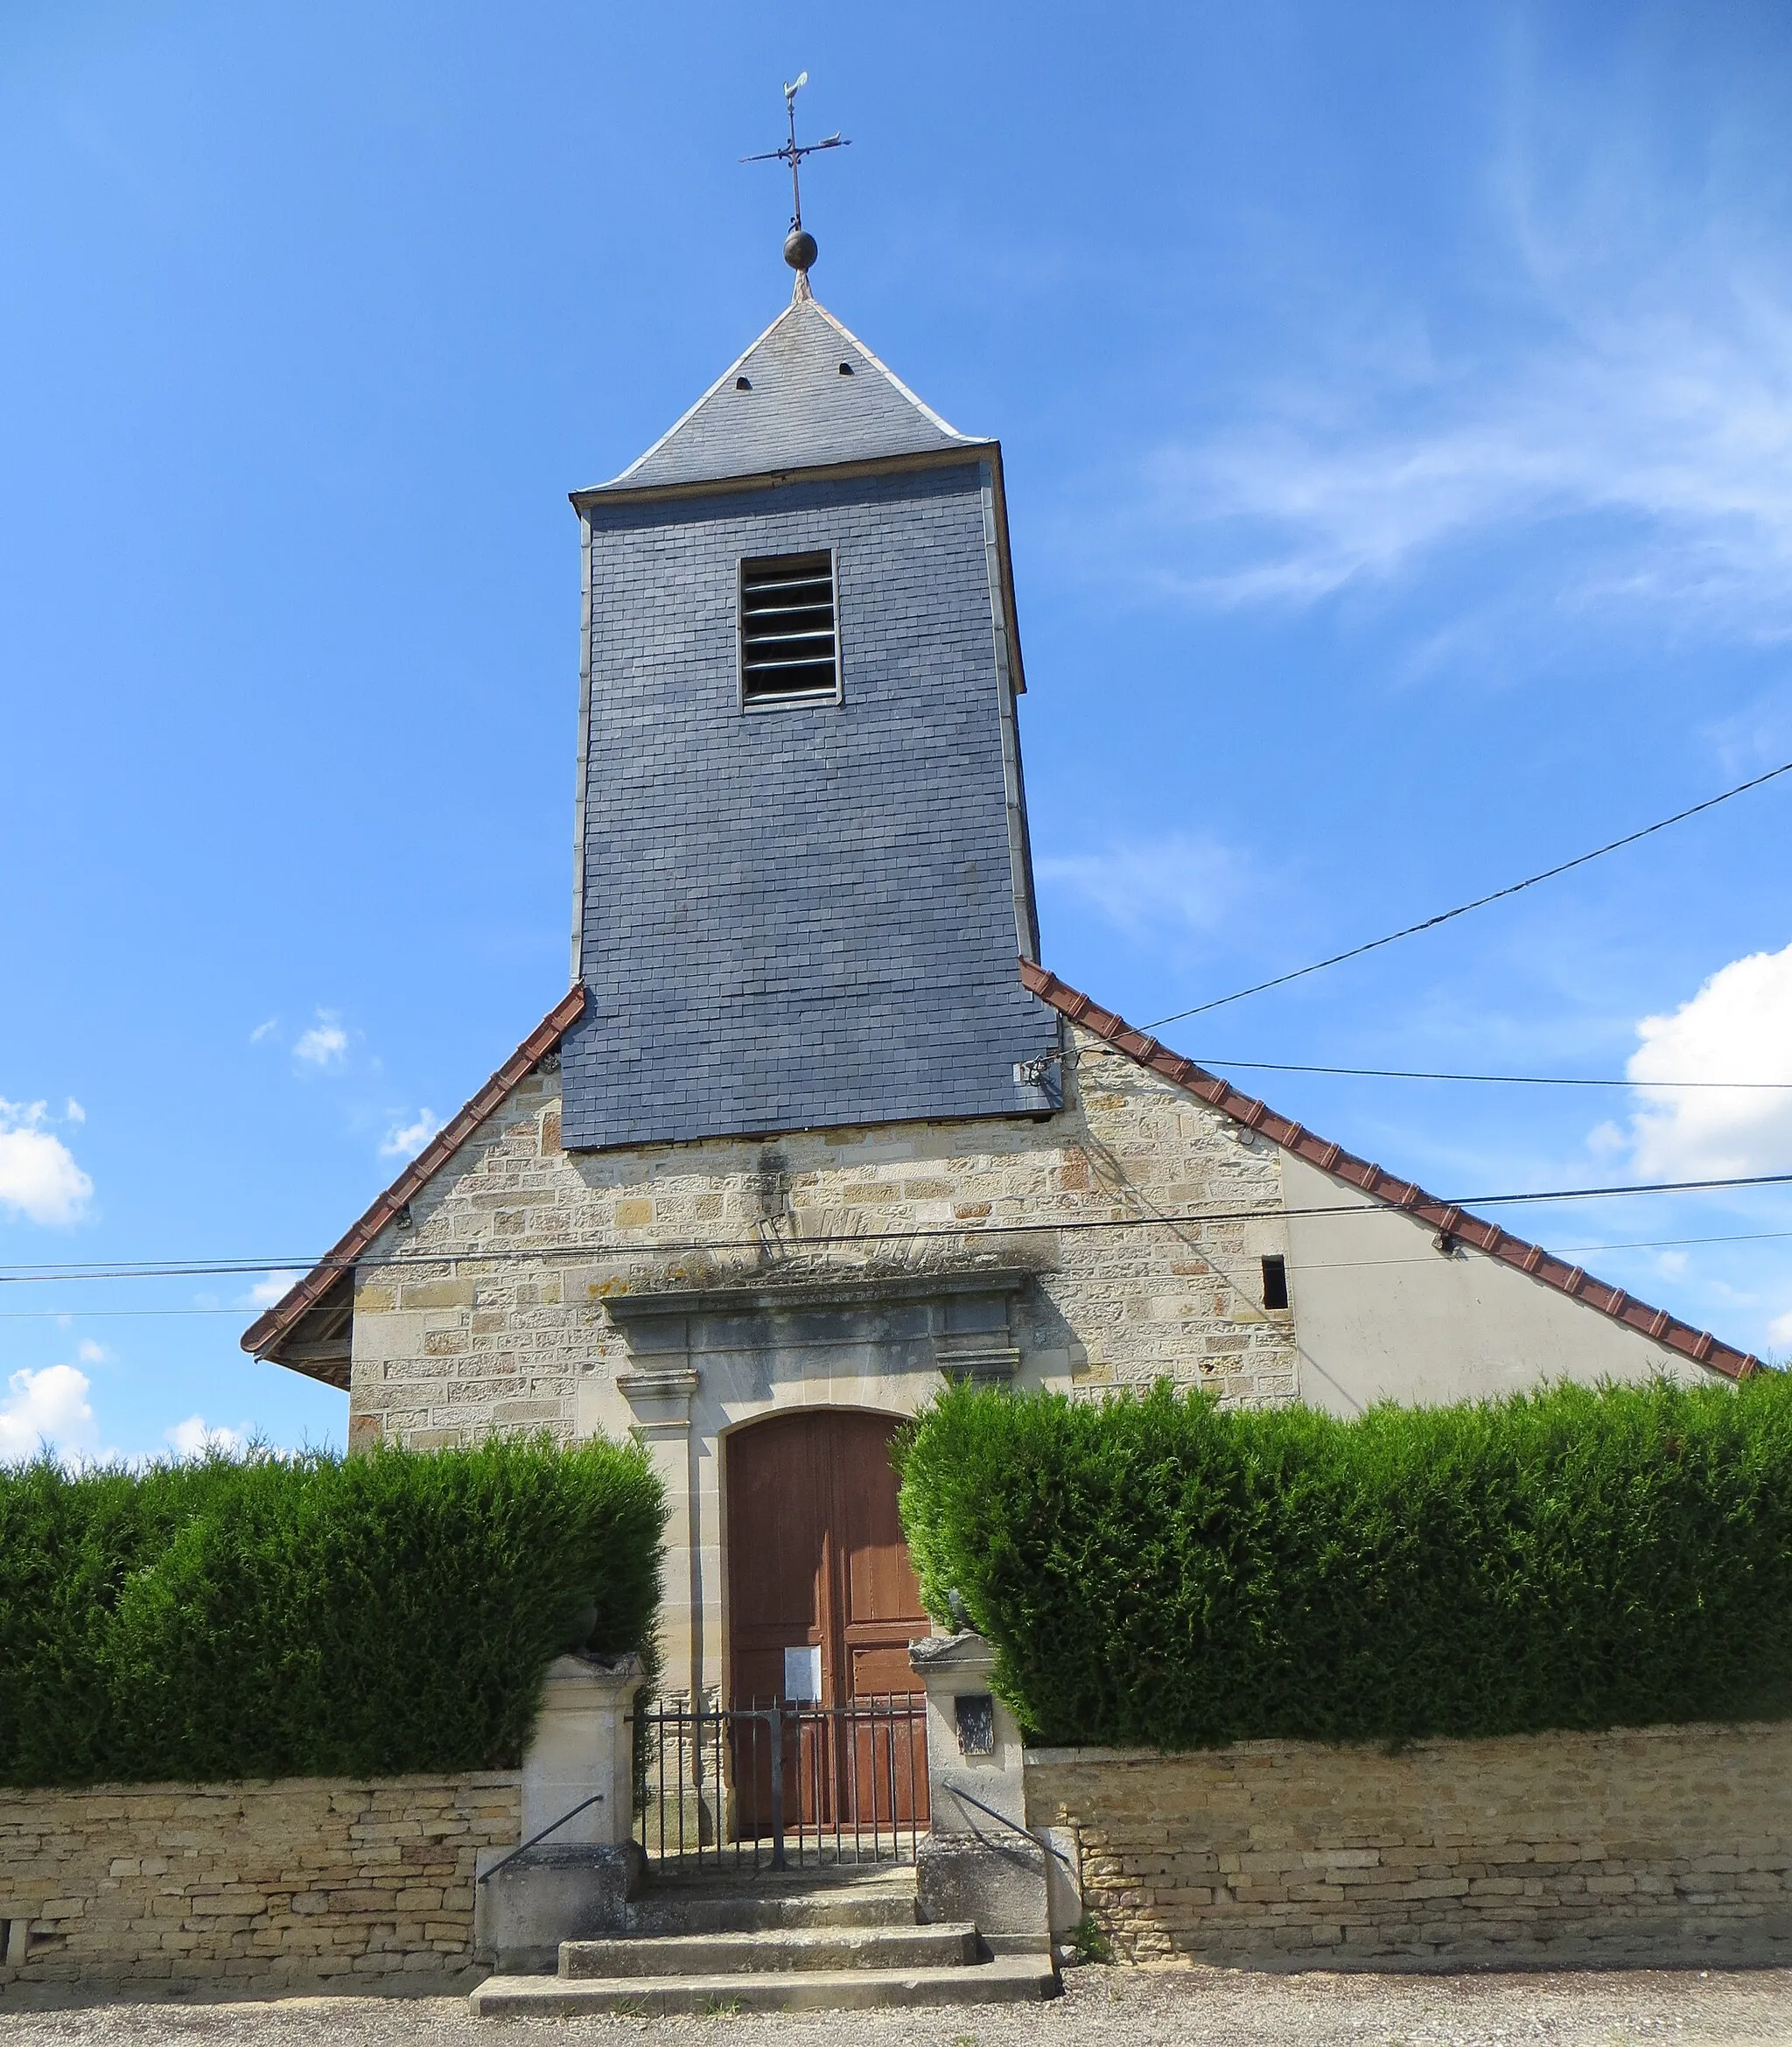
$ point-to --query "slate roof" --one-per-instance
(799, 411)
(1407, 1195)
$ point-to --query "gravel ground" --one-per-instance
(1128, 2006)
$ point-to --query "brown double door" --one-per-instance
(822, 1605)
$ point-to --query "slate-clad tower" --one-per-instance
(803, 877)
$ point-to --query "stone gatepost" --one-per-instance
(576, 1881)
(980, 1860)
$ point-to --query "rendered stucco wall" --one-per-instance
(1664, 1846)
(1383, 1315)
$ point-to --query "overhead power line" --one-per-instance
(1509, 1080)
(65, 1314)
(195, 1269)
(61, 1314)
(1480, 901)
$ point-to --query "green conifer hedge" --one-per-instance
(312, 1616)
(1158, 1572)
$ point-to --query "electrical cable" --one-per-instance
(46, 1314)
(1510, 1080)
(191, 1268)
(1479, 902)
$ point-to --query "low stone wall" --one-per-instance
(1667, 1845)
(288, 1882)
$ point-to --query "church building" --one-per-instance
(815, 1129)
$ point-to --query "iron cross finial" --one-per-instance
(800, 249)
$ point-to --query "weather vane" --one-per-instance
(800, 249)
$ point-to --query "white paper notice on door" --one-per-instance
(802, 1674)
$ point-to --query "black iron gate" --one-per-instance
(782, 1785)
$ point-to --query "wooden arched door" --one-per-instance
(823, 1600)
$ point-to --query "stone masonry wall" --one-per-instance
(487, 1313)
(288, 1882)
(1663, 1846)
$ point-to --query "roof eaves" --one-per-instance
(1699, 1345)
(263, 1336)
(701, 486)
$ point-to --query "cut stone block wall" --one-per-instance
(1663, 1846)
(294, 1881)
(473, 1318)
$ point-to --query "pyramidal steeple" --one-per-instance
(807, 394)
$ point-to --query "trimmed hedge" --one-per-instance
(319, 1616)
(1160, 1571)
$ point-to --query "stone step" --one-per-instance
(785, 1948)
(654, 1913)
(883, 1897)
(1007, 1979)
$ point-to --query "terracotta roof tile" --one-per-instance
(1487, 1237)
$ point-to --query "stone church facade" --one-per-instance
(813, 1130)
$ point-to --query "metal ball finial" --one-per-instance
(800, 249)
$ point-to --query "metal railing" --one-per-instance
(1026, 1833)
(782, 1785)
(535, 1840)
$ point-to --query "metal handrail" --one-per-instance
(596, 1798)
(1026, 1832)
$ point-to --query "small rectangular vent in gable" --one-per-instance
(790, 650)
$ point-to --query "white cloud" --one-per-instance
(1625, 374)
(325, 1044)
(1739, 1026)
(405, 1140)
(264, 1030)
(38, 1177)
(265, 1292)
(195, 1437)
(92, 1353)
(46, 1408)
(72, 1112)
(1781, 1331)
(1680, 422)
(1142, 887)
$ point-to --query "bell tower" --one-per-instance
(802, 881)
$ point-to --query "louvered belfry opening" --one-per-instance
(789, 651)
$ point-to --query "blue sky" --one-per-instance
(1398, 407)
